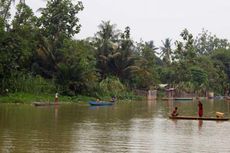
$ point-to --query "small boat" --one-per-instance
(198, 118)
(44, 104)
(166, 98)
(218, 97)
(178, 98)
(100, 103)
(227, 98)
(183, 98)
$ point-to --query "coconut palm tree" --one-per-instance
(166, 51)
(115, 52)
(105, 42)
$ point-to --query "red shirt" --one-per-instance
(200, 111)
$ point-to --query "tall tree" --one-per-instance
(122, 63)
(58, 22)
(166, 51)
(10, 58)
(205, 43)
(59, 19)
(5, 9)
(24, 25)
(106, 42)
(77, 72)
(185, 51)
(221, 59)
(147, 76)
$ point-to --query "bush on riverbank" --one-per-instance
(27, 98)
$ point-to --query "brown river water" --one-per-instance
(131, 126)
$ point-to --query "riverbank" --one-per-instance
(30, 98)
(25, 98)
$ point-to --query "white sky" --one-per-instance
(154, 19)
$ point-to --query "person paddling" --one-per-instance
(200, 108)
(113, 99)
(175, 113)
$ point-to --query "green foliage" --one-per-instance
(206, 43)
(31, 84)
(24, 18)
(5, 10)
(199, 77)
(117, 56)
(16, 47)
(167, 75)
(59, 19)
(221, 58)
(24, 27)
(76, 72)
(1, 27)
(166, 51)
(123, 63)
(146, 75)
(185, 86)
(105, 42)
(185, 51)
(38, 55)
(10, 55)
(111, 86)
(57, 23)
(22, 97)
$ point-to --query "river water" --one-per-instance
(132, 126)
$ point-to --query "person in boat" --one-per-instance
(56, 99)
(113, 99)
(175, 112)
(200, 108)
(98, 100)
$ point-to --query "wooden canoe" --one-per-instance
(165, 98)
(183, 98)
(178, 98)
(44, 104)
(198, 118)
(101, 103)
(227, 98)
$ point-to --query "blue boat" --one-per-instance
(100, 103)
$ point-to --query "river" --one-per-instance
(132, 126)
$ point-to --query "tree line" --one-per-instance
(40, 54)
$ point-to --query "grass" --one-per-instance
(30, 98)
(27, 98)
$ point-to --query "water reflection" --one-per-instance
(141, 126)
(200, 123)
(56, 112)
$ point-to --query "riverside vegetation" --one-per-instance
(39, 57)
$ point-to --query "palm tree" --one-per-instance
(166, 51)
(45, 59)
(106, 41)
(115, 52)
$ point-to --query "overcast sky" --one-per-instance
(154, 19)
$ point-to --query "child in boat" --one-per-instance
(175, 112)
(113, 99)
